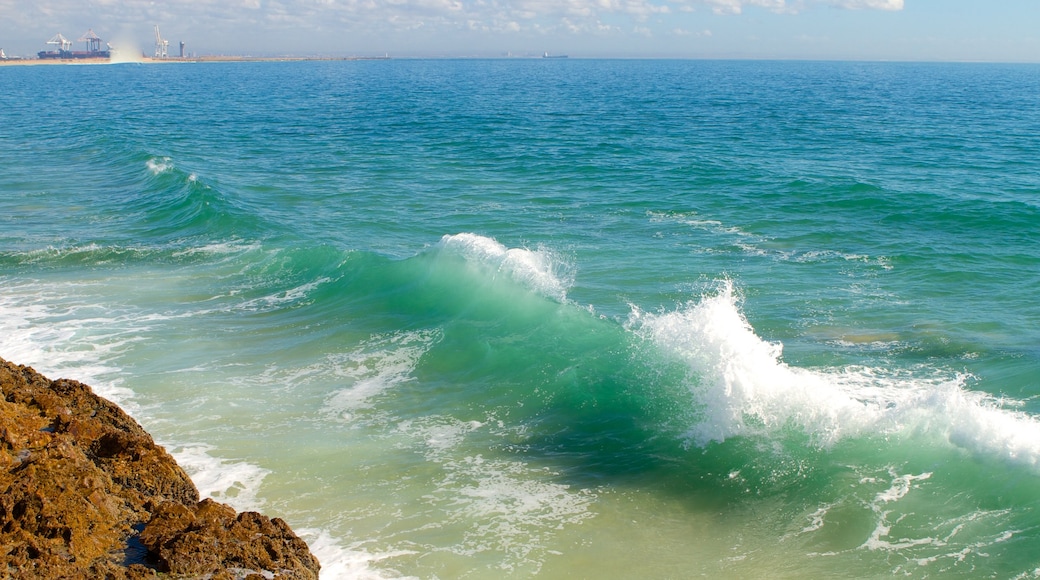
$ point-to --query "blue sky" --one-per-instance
(972, 30)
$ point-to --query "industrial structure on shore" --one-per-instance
(64, 48)
(99, 51)
(94, 51)
(162, 46)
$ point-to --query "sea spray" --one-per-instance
(742, 387)
(540, 270)
(739, 382)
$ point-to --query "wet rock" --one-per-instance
(86, 493)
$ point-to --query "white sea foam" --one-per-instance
(816, 519)
(742, 387)
(375, 366)
(219, 248)
(64, 338)
(98, 254)
(540, 270)
(879, 538)
(757, 245)
(340, 562)
(233, 482)
(507, 508)
(159, 165)
(498, 506)
(91, 251)
(282, 297)
(943, 544)
(439, 437)
(695, 221)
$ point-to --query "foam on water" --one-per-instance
(718, 236)
(95, 254)
(375, 366)
(901, 485)
(540, 270)
(229, 248)
(941, 543)
(159, 165)
(497, 507)
(233, 482)
(63, 338)
(698, 222)
(91, 252)
(742, 387)
(353, 561)
(282, 297)
(812, 256)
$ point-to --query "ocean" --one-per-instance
(554, 318)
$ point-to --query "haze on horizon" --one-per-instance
(919, 30)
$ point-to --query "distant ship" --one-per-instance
(547, 55)
(65, 51)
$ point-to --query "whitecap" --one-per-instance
(741, 386)
(540, 270)
(159, 165)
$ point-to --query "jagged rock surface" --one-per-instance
(86, 493)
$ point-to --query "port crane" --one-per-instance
(93, 41)
(161, 46)
(63, 44)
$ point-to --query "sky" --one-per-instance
(906, 30)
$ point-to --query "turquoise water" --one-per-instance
(564, 318)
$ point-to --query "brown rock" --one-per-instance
(86, 493)
(184, 541)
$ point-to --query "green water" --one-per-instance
(611, 319)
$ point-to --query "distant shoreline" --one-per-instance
(197, 59)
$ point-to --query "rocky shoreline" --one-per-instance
(86, 493)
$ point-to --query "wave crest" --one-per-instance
(540, 270)
(742, 387)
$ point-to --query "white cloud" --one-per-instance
(792, 7)
(690, 33)
(465, 9)
(871, 4)
(737, 6)
(284, 25)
